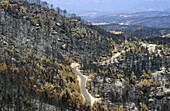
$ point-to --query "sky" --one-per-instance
(115, 6)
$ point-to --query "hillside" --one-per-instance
(136, 30)
(53, 62)
(46, 31)
(37, 46)
(152, 22)
(132, 77)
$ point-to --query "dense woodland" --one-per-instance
(34, 41)
(38, 43)
(130, 78)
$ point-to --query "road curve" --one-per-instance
(83, 84)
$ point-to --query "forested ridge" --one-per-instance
(39, 42)
(36, 47)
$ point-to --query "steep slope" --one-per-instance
(46, 31)
(36, 47)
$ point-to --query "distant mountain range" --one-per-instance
(152, 19)
(139, 24)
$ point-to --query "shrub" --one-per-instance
(4, 4)
(10, 52)
(143, 107)
(14, 9)
(3, 68)
(146, 85)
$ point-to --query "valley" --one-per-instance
(139, 24)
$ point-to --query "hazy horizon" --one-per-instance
(111, 6)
